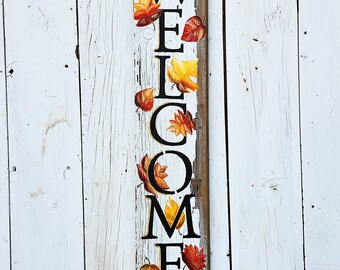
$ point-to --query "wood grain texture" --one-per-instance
(106, 54)
(264, 147)
(218, 195)
(147, 73)
(201, 164)
(4, 194)
(320, 129)
(44, 130)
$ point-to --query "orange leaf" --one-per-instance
(149, 267)
(182, 124)
(160, 175)
(159, 172)
(144, 99)
(194, 257)
(147, 11)
(194, 30)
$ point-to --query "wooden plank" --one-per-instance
(320, 129)
(44, 128)
(153, 55)
(218, 193)
(106, 52)
(264, 147)
(4, 193)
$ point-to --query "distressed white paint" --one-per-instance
(264, 147)
(4, 195)
(320, 114)
(218, 196)
(44, 129)
(147, 75)
(264, 158)
(106, 52)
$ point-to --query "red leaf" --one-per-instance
(144, 99)
(194, 30)
(194, 257)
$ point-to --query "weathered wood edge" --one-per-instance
(201, 163)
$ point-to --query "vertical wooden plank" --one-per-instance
(4, 193)
(320, 114)
(44, 128)
(106, 51)
(185, 156)
(264, 147)
(218, 193)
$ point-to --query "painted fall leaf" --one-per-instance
(194, 257)
(144, 99)
(159, 172)
(182, 124)
(147, 11)
(194, 30)
(149, 267)
(181, 74)
(170, 212)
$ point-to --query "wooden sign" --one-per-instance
(171, 155)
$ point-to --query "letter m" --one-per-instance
(170, 229)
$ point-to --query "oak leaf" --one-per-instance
(149, 267)
(194, 30)
(147, 11)
(194, 257)
(159, 173)
(170, 212)
(183, 123)
(144, 99)
(181, 74)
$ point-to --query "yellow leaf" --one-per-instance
(171, 210)
(191, 68)
(181, 74)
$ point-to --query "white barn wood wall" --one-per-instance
(263, 130)
(109, 135)
(4, 172)
(68, 166)
(320, 131)
(44, 135)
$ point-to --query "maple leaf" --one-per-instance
(194, 30)
(147, 11)
(194, 257)
(182, 124)
(149, 267)
(170, 212)
(160, 175)
(181, 72)
(159, 172)
(144, 99)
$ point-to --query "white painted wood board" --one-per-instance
(320, 131)
(109, 132)
(4, 194)
(147, 74)
(263, 130)
(218, 188)
(44, 130)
